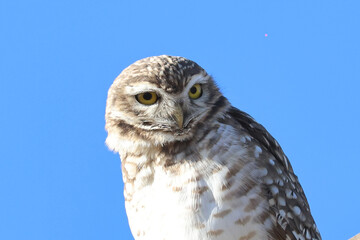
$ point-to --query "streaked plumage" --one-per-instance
(194, 167)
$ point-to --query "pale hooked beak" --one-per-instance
(178, 116)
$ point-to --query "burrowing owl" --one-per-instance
(195, 167)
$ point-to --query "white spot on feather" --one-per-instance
(271, 161)
(298, 236)
(290, 194)
(268, 223)
(281, 201)
(274, 190)
(296, 210)
(282, 213)
(308, 236)
(258, 151)
(263, 172)
(269, 181)
(272, 202)
(280, 182)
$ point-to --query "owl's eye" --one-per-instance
(195, 91)
(147, 98)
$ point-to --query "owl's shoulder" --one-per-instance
(280, 184)
(258, 132)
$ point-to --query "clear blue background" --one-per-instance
(58, 58)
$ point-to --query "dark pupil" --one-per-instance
(147, 96)
(193, 90)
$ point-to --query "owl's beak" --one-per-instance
(178, 116)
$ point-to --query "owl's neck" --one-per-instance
(152, 151)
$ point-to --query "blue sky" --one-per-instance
(58, 58)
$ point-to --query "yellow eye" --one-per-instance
(195, 91)
(147, 98)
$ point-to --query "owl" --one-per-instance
(195, 167)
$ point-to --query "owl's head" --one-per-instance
(162, 99)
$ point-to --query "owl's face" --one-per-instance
(160, 100)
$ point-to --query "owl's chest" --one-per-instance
(192, 208)
(205, 199)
